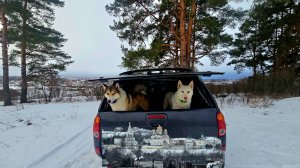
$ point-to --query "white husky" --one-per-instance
(181, 99)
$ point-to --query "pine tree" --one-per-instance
(38, 44)
(269, 39)
(249, 49)
(172, 33)
(7, 9)
(6, 91)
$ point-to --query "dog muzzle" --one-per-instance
(112, 102)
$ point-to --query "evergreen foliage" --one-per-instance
(269, 39)
(173, 33)
(269, 44)
(38, 44)
(7, 10)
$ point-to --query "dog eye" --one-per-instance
(112, 93)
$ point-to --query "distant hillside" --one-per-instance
(228, 76)
(11, 78)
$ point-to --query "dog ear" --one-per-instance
(117, 86)
(104, 86)
(179, 84)
(191, 84)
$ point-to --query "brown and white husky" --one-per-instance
(119, 100)
(181, 99)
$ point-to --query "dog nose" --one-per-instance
(108, 101)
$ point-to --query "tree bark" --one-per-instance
(183, 56)
(194, 49)
(6, 91)
(174, 30)
(190, 31)
(23, 58)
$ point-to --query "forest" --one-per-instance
(165, 33)
(179, 33)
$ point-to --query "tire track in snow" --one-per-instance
(76, 143)
(282, 154)
(87, 159)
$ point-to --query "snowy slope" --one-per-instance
(263, 137)
(60, 135)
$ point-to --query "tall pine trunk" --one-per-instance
(6, 91)
(189, 35)
(193, 57)
(182, 55)
(23, 58)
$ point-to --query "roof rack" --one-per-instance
(209, 73)
(159, 72)
(156, 71)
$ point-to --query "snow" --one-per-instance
(263, 137)
(60, 135)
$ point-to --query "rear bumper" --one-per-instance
(220, 164)
(209, 160)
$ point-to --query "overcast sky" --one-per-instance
(92, 45)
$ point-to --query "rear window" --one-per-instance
(157, 89)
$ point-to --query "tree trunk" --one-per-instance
(190, 31)
(194, 50)
(254, 70)
(183, 56)
(6, 91)
(176, 64)
(174, 30)
(254, 59)
(23, 59)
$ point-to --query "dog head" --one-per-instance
(185, 92)
(112, 93)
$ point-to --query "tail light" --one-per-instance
(221, 124)
(98, 151)
(96, 127)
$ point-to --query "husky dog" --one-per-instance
(181, 99)
(119, 100)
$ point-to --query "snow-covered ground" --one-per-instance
(59, 135)
(263, 137)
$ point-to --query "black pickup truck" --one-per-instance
(179, 138)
